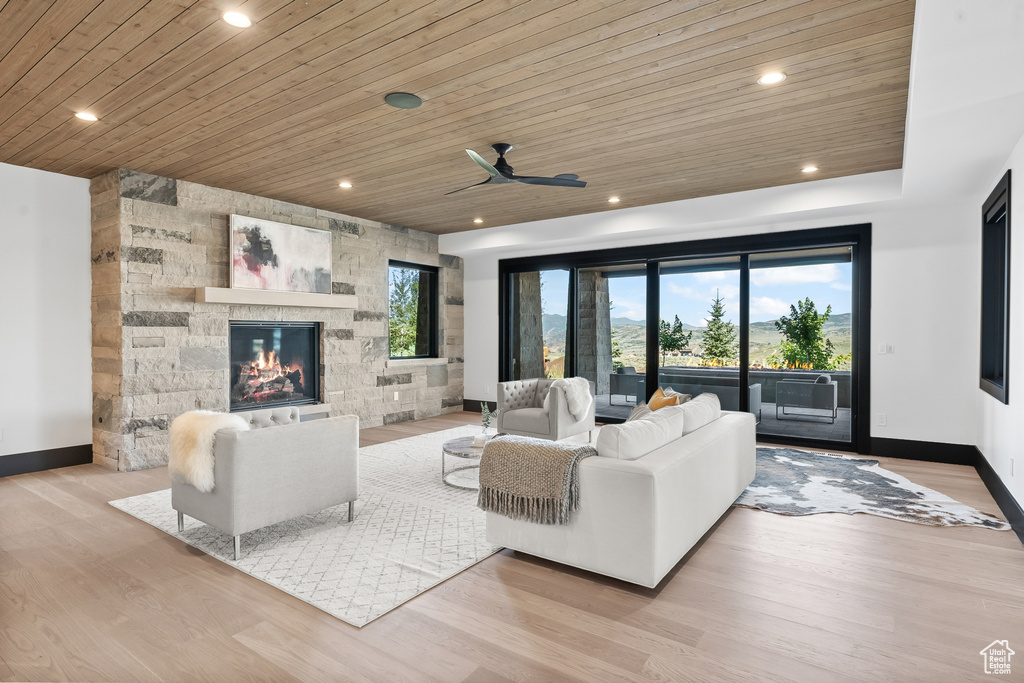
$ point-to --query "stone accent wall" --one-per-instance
(157, 353)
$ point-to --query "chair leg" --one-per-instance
(351, 510)
(181, 521)
(238, 546)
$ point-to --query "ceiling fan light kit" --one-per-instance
(501, 172)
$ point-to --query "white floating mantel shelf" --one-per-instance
(262, 297)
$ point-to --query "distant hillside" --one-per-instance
(631, 336)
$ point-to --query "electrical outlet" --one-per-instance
(882, 420)
(889, 348)
(1, 433)
(396, 395)
(881, 349)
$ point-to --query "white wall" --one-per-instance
(925, 293)
(45, 329)
(1000, 434)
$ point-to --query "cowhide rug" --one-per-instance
(793, 482)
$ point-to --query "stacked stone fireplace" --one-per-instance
(158, 353)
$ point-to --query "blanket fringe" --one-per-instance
(539, 510)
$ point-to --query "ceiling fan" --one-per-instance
(501, 172)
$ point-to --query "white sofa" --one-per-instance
(655, 488)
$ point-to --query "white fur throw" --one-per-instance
(577, 395)
(191, 454)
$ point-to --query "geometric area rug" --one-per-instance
(794, 482)
(410, 533)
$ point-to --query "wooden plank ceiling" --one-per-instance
(651, 101)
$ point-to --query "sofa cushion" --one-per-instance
(700, 411)
(533, 420)
(635, 439)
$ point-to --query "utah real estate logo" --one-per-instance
(997, 657)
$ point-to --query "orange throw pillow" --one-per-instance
(660, 400)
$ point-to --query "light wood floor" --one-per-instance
(88, 593)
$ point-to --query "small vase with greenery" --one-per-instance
(486, 415)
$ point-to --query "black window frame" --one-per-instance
(433, 301)
(857, 236)
(994, 371)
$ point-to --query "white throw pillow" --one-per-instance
(700, 411)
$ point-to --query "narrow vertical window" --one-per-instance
(412, 310)
(995, 291)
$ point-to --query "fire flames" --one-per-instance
(265, 378)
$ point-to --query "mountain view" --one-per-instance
(631, 337)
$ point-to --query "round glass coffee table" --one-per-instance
(461, 476)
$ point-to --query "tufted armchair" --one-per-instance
(528, 407)
(281, 468)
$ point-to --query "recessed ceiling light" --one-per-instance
(478, 220)
(237, 19)
(772, 78)
(403, 100)
(613, 200)
(345, 184)
(809, 169)
(86, 116)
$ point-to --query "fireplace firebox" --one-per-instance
(274, 364)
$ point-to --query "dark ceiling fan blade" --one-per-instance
(558, 181)
(468, 187)
(483, 163)
(501, 173)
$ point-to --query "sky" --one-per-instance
(772, 291)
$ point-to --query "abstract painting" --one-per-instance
(279, 257)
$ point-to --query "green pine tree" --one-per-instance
(672, 337)
(719, 344)
(403, 308)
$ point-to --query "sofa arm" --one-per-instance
(825, 396)
(562, 422)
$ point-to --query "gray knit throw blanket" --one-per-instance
(531, 479)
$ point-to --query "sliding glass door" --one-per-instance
(800, 342)
(611, 336)
(698, 327)
(772, 324)
(538, 309)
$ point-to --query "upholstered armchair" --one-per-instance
(528, 407)
(279, 469)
